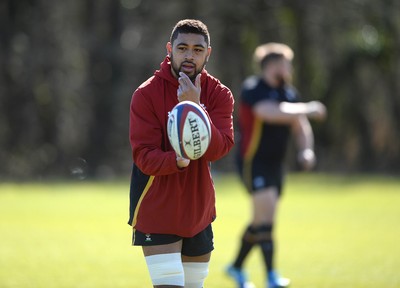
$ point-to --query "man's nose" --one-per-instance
(189, 54)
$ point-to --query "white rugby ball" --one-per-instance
(189, 130)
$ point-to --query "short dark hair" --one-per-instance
(269, 52)
(270, 58)
(187, 26)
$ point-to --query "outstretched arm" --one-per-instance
(295, 115)
(286, 112)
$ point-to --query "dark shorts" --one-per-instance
(200, 244)
(258, 175)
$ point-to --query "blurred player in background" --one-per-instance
(172, 199)
(269, 112)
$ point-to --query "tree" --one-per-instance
(69, 68)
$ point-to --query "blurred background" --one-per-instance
(68, 70)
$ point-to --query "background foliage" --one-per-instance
(68, 69)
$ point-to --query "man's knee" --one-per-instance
(195, 274)
(259, 233)
(166, 269)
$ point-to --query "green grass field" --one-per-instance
(333, 231)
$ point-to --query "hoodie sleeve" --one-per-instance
(146, 138)
(222, 135)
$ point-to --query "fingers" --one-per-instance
(179, 91)
(318, 110)
(198, 81)
(182, 162)
(307, 159)
(184, 80)
(187, 90)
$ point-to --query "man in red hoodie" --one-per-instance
(172, 199)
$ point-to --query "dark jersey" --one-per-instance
(261, 141)
(262, 146)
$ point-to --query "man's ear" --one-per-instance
(209, 53)
(169, 48)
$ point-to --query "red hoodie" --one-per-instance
(163, 198)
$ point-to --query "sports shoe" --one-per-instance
(240, 277)
(275, 281)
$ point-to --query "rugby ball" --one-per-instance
(189, 130)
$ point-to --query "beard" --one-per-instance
(178, 68)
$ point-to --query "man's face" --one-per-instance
(284, 72)
(189, 54)
(278, 73)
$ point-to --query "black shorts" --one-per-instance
(258, 175)
(200, 244)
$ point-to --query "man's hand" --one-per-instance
(316, 110)
(182, 162)
(306, 159)
(187, 91)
